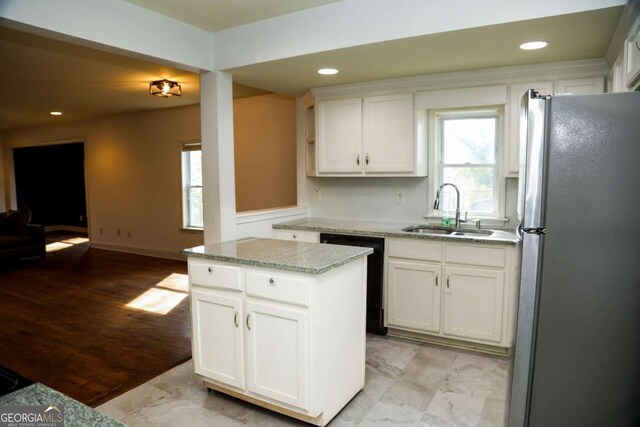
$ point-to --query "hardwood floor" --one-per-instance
(65, 322)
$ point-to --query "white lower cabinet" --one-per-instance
(473, 303)
(291, 342)
(277, 371)
(217, 344)
(414, 295)
(463, 292)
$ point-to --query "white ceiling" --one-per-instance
(216, 15)
(571, 37)
(39, 75)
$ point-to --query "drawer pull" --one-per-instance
(210, 269)
(235, 319)
(295, 236)
(248, 326)
(271, 281)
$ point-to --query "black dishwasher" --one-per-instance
(375, 273)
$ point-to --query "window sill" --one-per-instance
(194, 230)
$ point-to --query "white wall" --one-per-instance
(374, 199)
(133, 176)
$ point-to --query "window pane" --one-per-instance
(476, 189)
(195, 168)
(195, 207)
(469, 140)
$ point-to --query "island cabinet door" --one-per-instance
(217, 337)
(278, 353)
(413, 296)
(473, 303)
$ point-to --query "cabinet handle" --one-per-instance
(210, 269)
(436, 280)
(248, 317)
(358, 159)
(366, 159)
(447, 281)
(271, 281)
(295, 236)
(235, 319)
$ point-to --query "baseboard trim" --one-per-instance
(139, 250)
(70, 228)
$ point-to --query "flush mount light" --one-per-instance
(56, 113)
(538, 44)
(165, 88)
(327, 71)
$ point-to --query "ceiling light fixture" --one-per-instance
(164, 88)
(538, 44)
(56, 113)
(328, 71)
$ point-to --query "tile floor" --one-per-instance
(407, 384)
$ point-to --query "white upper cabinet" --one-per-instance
(512, 146)
(369, 136)
(587, 86)
(339, 142)
(388, 134)
(579, 86)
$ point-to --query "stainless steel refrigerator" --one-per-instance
(577, 356)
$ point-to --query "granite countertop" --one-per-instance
(302, 257)
(389, 229)
(76, 414)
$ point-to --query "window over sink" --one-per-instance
(466, 150)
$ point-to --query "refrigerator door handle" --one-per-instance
(535, 230)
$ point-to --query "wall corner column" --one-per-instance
(218, 174)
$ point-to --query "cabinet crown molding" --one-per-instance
(460, 79)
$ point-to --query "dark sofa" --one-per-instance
(19, 238)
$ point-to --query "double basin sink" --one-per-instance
(446, 231)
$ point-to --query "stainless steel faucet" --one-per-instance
(436, 203)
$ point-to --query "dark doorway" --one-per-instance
(50, 182)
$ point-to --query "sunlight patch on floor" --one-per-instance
(57, 246)
(164, 296)
(66, 243)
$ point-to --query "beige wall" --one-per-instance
(265, 152)
(133, 169)
(133, 176)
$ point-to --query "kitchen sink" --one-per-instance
(444, 231)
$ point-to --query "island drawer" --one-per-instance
(300, 236)
(277, 286)
(209, 274)
(475, 255)
(415, 249)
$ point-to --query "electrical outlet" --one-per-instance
(400, 196)
(318, 194)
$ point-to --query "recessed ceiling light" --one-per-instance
(56, 113)
(538, 44)
(327, 71)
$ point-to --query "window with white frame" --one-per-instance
(192, 185)
(466, 147)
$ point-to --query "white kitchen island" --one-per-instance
(280, 324)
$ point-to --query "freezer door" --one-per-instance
(532, 211)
